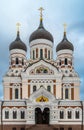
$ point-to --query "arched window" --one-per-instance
(65, 61)
(60, 62)
(61, 128)
(45, 52)
(36, 52)
(61, 114)
(17, 62)
(77, 114)
(34, 88)
(49, 88)
(69, 114)
(66, 93)
(14, 114)
(22, 61)
(33, 54)
(16, 93)
(22, 128)
(22, 114)
(6, 114)
(49, 54)
(41, 53)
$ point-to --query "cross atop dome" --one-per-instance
(18, 26)
(65, 26)
(41, 14)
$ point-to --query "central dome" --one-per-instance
(41, 33)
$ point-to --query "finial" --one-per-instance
(18, 25)
(65, 25)
(41, 15)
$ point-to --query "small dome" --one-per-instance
(18, 44)
(41, 33)
(64, 44)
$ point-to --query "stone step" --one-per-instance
(41, 127)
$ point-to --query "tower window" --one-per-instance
(33, 54)
(66, 93)
(45, 52)
(60, 62)
(34, 88)
(14, 114)
(16, 93)
(6, 114)
(36, 52)
(22, 61)
(65, 61)
(69, 114)
(41, 53)
(17, 62)
(49, 55)
(77, 114)
(61, 114)
(22, 114)
(49, 88)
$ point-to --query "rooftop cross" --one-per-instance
(41, 15)
(65, 25)
(18, 26)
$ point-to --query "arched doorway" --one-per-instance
(42, 117)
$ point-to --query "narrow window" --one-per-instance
(61, 114)
(69, 114)
(34, 88)
(22, 114)
(77, 114)
(6, 114)
(66, 93)
(16, 93)
(33, 54)
(49, 88)
(41, 54)
(45, 52)
(22, 61)
(65, 61)
(14, 114)
(36, 52)
(49, 55)
(17, 62)
(60, 62)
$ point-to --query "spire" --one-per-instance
(65, 25)
(18, 32)
(41, 17)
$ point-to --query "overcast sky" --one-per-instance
(55, 14)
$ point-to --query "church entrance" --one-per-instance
(42, 117)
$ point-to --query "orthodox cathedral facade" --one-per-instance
(41, 90)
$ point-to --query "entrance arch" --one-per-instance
(42, 117)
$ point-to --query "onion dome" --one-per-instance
(64, 44)
(41, 32)
(18, 44)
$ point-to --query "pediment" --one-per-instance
(42, 95)
(40, 68)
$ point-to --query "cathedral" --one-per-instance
(41, 93)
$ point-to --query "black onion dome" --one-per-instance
(64, 44)
(41, 33)
(18, 44)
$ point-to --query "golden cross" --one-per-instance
(65, 25)
(41, 9)
(18, 25)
